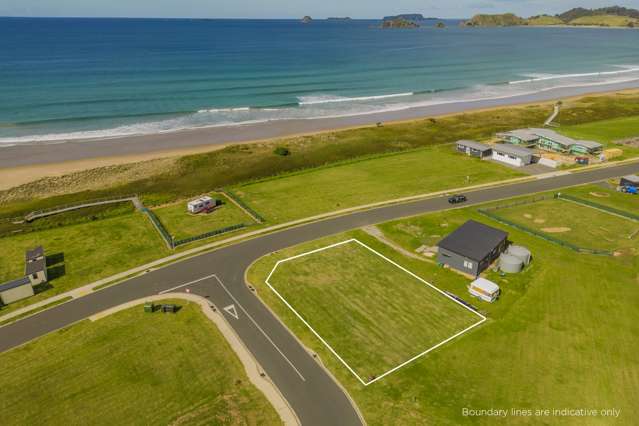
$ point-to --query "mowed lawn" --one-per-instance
(372, 313)
(83, 253)
(562, 335)
(182, 224)
(368, 181)
(131, 368)
(575, 223)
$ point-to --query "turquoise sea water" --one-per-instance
(64, 79)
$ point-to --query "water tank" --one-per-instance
(521, 252)
(509, 263)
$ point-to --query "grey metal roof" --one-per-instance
(631, 178)
(554, 136)
(512, 150)
(523, 134)
(473, 144)
(35, 266)
(34, 253)
(15, 283)
(473, 240)
(589, 144)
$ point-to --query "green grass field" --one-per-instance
(369, 181)
(561, 335)
(604, 20)
(83, 253)
(182, 224)
(607, 132)
(131, 368)
(583, 226)
(346, 292)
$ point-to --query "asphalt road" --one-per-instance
(219, 276)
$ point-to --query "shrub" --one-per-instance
(281, 150)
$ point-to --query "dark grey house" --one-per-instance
(473, 149)
(472, 247)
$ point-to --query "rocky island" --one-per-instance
(307, 20)
(399, 23)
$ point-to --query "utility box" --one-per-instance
(149, 307)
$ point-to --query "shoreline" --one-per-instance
(24, 163)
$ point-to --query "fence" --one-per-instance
(489, 212)
(598, 206)
(208, 234)
(74, 206)
(168, 239)
(237, 200)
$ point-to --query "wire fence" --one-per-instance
(598, 206)
(230, 194)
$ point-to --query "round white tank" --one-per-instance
(521, 252)
(509, 263)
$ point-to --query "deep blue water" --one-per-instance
(77, 78)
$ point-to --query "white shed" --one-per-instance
(484, 289)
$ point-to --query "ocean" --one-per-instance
(65, 79)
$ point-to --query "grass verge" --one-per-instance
(131, 368)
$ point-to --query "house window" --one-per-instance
(468, 265)
(512, 157)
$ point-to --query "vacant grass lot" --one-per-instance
(577, 224)
(182, 224)
(131, 368)
(563, 334)
(378, 179)
(80, 254)
(373, 314)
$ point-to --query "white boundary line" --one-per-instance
(354, 240)
(185, 284)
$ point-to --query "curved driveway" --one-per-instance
(219, 275)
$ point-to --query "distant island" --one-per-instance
(407, 16)
(614, 16)
(332, 18)
(307, 20)
(399, 23)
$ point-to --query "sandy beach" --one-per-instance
(29, 161)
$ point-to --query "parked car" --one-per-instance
(455, 199)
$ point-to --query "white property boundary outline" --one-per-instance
(354, 240)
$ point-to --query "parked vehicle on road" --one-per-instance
(456, 199)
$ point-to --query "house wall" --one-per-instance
(550, 145)
(508, 159)
(458, 262)
(578, 149)
(15, 294)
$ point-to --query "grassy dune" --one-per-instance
(131, 368)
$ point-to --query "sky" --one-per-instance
(291, 8)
